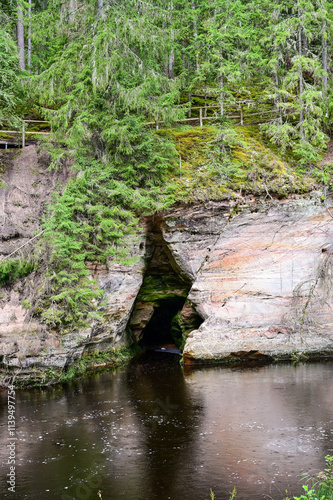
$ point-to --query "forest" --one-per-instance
(99, 71)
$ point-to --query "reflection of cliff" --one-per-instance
(169, 417)
(263, 427)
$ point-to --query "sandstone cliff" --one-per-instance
(243, 278)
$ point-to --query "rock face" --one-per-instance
(27, 187)
(266, 289)
(27, 347)
(232, 283)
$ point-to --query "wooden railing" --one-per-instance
(202, 116)
(24, 132)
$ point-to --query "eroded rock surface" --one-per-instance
(260, 292)
(27, 186)
(258, 283)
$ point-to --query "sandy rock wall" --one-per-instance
(259, 291)
(260, 278)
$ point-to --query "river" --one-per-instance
(154, 431)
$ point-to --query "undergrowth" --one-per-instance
(90, 220)
(143, 171)
(319, 487)
(13, 269)
(216, 162)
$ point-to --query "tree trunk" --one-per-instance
(301, 114)
(305, 44)
(71, 10)
(20, 36)
(172, 64)
(29, 36)
(183, 55)
(221, 93)
(195, 39)
(172, 58)
(277, 83)
(221, 82)
(100, 9)
(324, 56)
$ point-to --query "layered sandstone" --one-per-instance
(266, 286)
(256, 275)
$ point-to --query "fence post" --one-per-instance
(157, 124)
(242, 116)
(200, 114)
(23, 136)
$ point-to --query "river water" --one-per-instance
(154, 431)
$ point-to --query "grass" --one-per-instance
(315, 488)
(13, 269)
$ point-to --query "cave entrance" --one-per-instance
(162, 328)
(162, 314)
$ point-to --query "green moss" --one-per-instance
(156, 288)
(250, 165)
(114, 357)
(193, 180)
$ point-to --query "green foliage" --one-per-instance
(9, 75)
(90, 219)
(99, 73)
(324, 174)
(321, 487)
(114, 357)
(233, 494)
(13, 269)
(98, 81)
(223, 162)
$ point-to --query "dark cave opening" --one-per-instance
(162, 327)
(162, 314)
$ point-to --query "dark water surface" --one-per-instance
(155, 432)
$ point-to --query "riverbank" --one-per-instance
(95, 363)
(89, 362)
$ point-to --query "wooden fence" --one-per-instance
(23, 132)
(202, 116)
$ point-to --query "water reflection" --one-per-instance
(263, 427)
(154, 432)
(170, 417)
